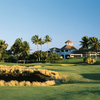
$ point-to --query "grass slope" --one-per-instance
(85, 83)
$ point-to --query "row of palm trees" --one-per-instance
(91, 43)
(36, 40)
(22, 48)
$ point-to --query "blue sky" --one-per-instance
(60, 19)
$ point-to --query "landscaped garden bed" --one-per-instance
(28, 77)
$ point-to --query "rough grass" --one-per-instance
(84, 84)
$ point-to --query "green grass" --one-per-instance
(85, 83)
(60, 92)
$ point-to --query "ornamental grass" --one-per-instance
(47, 77)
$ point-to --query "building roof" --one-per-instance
(54, 48)
(79, 51)
(68, 41)
(83, 51)
(68, 47)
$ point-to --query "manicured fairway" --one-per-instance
(85, 84)
(83, 91)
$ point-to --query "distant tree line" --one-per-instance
(21, 49)
(90, 43)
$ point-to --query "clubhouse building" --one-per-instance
(65, 50)
(68, 50)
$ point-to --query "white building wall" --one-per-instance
(64, 53)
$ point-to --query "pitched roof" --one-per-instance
(54, 48)
(83, 51)
(69, 47)
(68, 41)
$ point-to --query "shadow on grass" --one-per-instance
(76, 63)
(82, 63)
(57, 70)
(97, 63)
(93, 76)
(87, 91)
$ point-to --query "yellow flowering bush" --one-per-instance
(89, 60)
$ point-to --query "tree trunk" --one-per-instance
(24, 60)
(38, 53)
(41, 51)
(17, 59)
(27, 60)
(3, 59)
(47, 48)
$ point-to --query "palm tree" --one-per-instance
(25, 50)
(16, 47)
(47, 40)
(84, 42)
(41, 42)
(3, 47)
(35, 39)
(94, 43)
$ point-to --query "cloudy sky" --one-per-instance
(60, 19)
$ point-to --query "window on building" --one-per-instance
(57, 51)
(62, 50)
(66, 50)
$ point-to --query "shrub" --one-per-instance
(27, 83)
(54, 58)
(13, 83)
(22, 83)
(2, 83)
(43, 84)
(40, 54)
(10, 59)
(89, 60)
(51, 77)
(50, 82)
(36, 83)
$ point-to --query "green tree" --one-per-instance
(47, 40)
(35, 39)
(25, 50)
(17, 47)
(84, 42)
(94, 43)
(7, 55)
(41, 42)
(3, 47)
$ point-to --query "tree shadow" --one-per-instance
(97, 63)
(93, 76)
(92, 91)
(81, 63)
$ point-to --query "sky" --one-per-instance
(60, 19)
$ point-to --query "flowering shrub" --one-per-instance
(89, 60)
